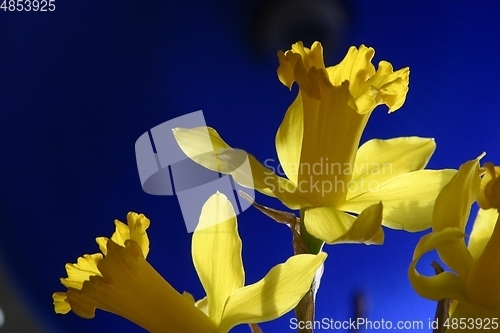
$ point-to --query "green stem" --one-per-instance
(303, 242)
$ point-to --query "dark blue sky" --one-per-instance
(79, 85)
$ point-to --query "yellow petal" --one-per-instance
(80, 272)
(380, 160)
(481, 231)
(132, 289)
(482, 282)
(289, 139)
(459, 194)
(276, 294)
(367, 227)
(408, 199)
(477, 319)
(204, 146)
(216, 250)
(334, 226)
(444, 285)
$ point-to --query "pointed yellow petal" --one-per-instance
(444, 285)
(216, 250)
(378, 161)
(456, 256)
(482, 282)
(132, 289)
(204, 146)
(459, 193)
(481, 231)
(327, 223)
(408, 199)
(367, 227)
(334, 226)
(289, 139)
(276, 294)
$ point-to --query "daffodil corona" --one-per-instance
(121, 281)
(345, 193)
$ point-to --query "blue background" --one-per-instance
(79, 85)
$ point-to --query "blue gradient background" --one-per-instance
(79, 85)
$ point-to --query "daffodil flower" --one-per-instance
(345, 193)
(474, 284)
(121, 281)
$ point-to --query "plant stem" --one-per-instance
(303, 243)
(304, 311)
(443, 306)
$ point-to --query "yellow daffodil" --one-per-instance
(474, 284)
(121, 281)
(340, 188)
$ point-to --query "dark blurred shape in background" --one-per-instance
(277, 24)
(16, 313)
